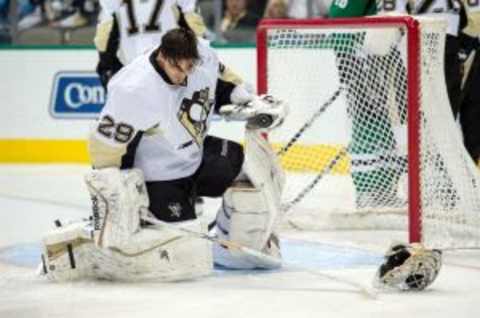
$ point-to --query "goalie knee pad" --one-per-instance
(245, 218)
(409, 267)
(118, 196)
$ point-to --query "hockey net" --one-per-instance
(370, 142)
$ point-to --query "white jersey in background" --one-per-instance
(298, 8)
(169, 121)
(447, 9)
(397, 6)
(141, 23)
(473, 13)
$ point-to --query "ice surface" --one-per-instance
(327, 273)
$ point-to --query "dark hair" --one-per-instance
(179, 44)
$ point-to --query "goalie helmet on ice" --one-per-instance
(409, 267)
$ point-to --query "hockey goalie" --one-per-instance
(152, 158)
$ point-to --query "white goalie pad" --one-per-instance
(263, 169)
(251, 208)
(118, 196)
(69, 254)
(162, 255)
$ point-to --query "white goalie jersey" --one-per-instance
(163, 125)
(447, 9)
(139, 25)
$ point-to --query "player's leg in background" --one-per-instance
(452, 72)
(399, 78)
(372, 144)
(470, 110)
(76, 19)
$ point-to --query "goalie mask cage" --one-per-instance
(370, 142)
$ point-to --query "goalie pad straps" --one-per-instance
(244, 216)
(67, 251)
(117, 199)
(244, 219)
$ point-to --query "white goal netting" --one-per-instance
(355, 89)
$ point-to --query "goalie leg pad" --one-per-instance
(69, 254)
(118, 196)
(244, 218)
(251, 208)
(160, 254)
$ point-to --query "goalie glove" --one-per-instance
(409, 267)
(262, 112)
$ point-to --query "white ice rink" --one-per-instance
(327, 274)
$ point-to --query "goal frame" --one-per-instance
(412, 27)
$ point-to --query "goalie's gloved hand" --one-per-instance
(262, 112)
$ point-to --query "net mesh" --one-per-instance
(348, 166)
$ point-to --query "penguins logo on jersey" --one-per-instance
(193, 114)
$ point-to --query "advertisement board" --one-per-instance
(76, 95)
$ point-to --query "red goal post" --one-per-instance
(287, 60)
